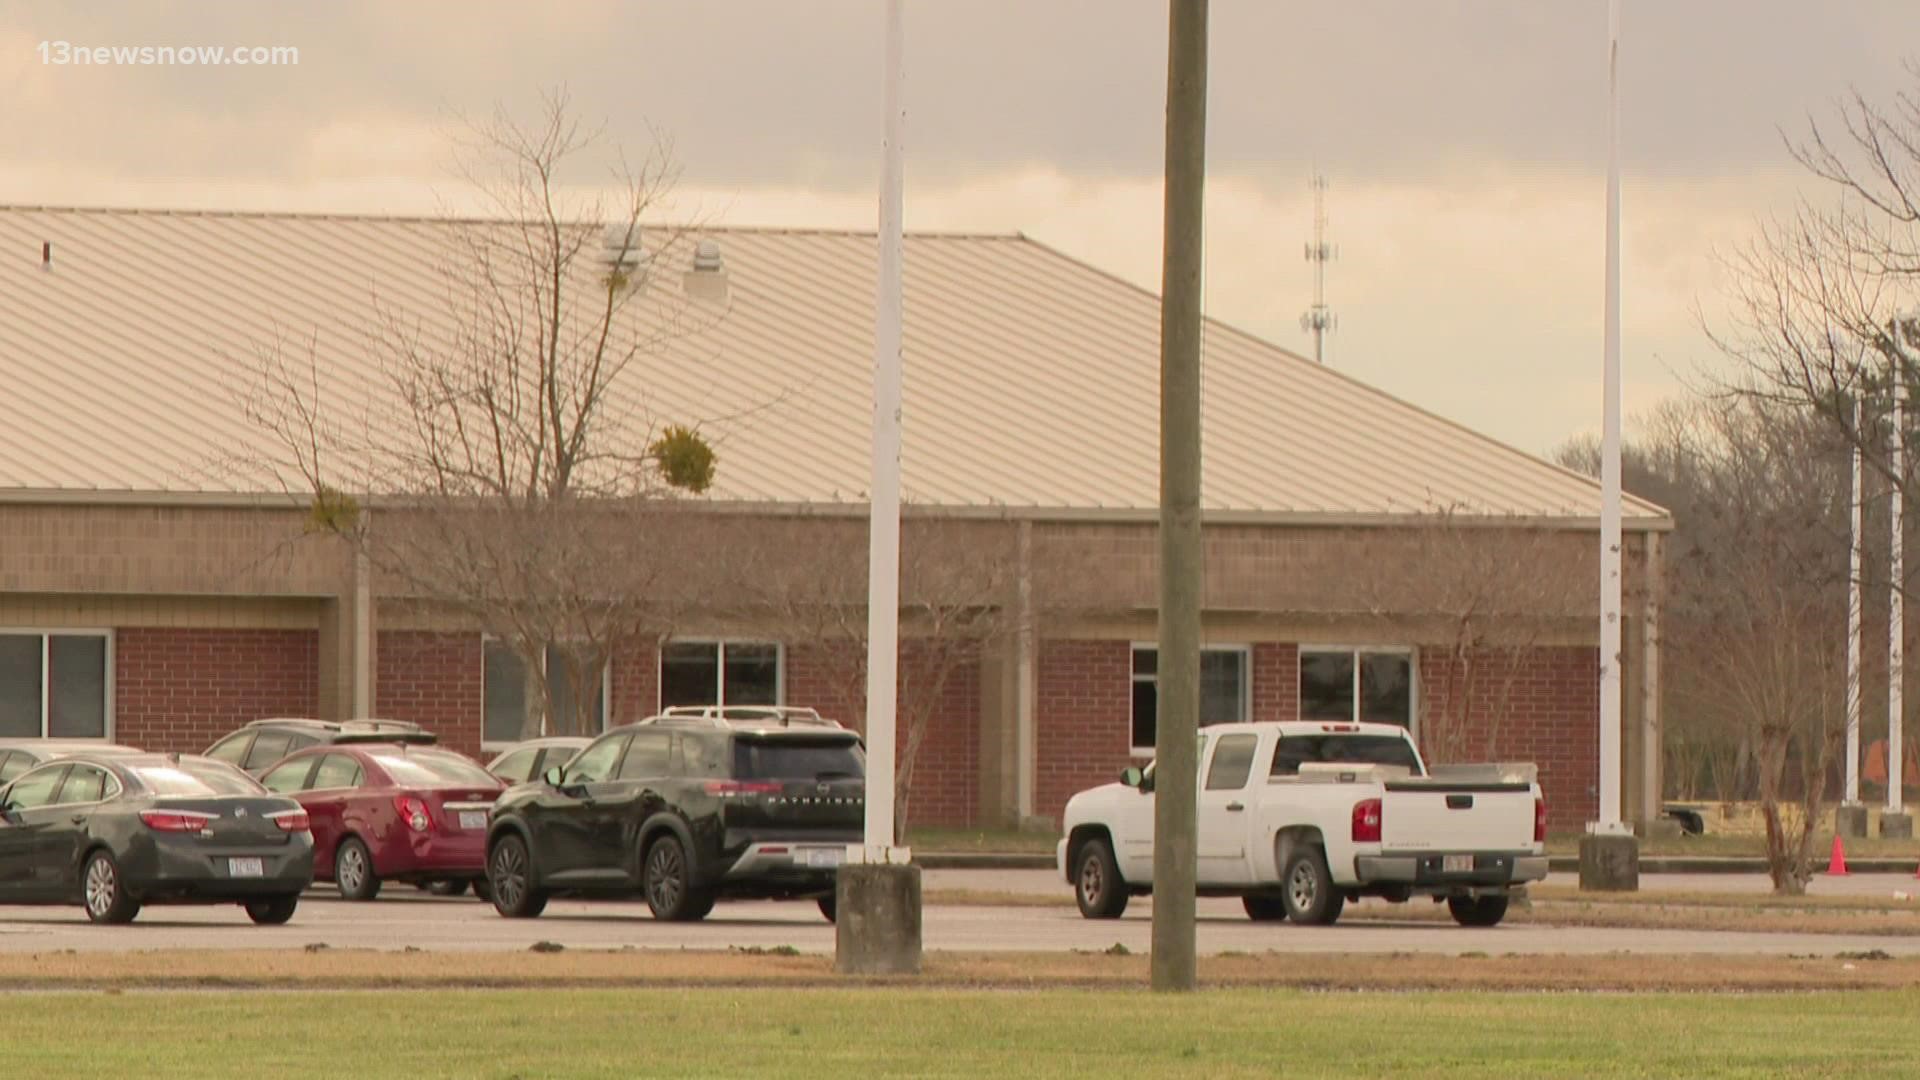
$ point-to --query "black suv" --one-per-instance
(257, 746)
(685, 808)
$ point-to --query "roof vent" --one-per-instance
(622, 252)
(707, 281)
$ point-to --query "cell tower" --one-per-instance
(1319, 318)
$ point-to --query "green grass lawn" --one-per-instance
(1034, 1034)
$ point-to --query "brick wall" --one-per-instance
(434, 680)
(1085, 712)
(634, 683)
(1082, 719)
(946, 771)
(181, 689)
(1547, 701)
(1276, 682)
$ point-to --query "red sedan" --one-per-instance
(391, 812)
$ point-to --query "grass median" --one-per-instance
(1058, 1033)
(1552, 905)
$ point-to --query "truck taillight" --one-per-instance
(413, 811)
(292, 821)
(176, 820)
(1366, 821)
(1539, 821)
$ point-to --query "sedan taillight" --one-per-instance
(292, 820)
(413, 811)
(181, 821)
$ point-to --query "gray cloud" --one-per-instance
(758, 91)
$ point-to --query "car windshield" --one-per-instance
(797, 759)
(434, 769)
(1297, 750)
(195, 778)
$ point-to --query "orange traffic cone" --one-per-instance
(1837, 864)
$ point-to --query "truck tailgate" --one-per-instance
(1427, 815)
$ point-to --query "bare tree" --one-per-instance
(504, 436)
(958, 602)
(1757, 620)
(1487, 593)
(1822, 299)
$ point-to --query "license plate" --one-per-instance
(825, 857)
(473, 819)
(246, 868)
(1456, 864)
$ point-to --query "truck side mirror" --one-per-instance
(1131, 776)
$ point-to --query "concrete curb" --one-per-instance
(983, 860)
(1559, 864)
(1725, 864)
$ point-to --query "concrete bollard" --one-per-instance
(1609, 863)
(877, 920)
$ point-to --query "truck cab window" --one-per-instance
(1232, 763)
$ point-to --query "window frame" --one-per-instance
(1245, 649)
(497, 745)
(59, 764)
(1411, 652)
(46, 635)
(311, 761)
(112, 790)
(721, 645)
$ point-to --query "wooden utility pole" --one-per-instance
(1180, 555)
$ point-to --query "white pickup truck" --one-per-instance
(1296, 818)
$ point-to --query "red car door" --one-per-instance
(326, 799)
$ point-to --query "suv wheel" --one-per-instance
(667, 879)
(1097, 887)
(510, 880)
(1308, 891)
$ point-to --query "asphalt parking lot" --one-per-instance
(405, 918)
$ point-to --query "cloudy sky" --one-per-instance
(1464, 142)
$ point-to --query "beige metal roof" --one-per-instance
(1032, 378)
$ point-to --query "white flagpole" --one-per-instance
(1610, 541)
(883, 553)
(1854, 631)
(1897, 611)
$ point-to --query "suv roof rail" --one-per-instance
(746, 716)
(357, 724)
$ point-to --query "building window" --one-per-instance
(507, 690)
(1349, 685)
(55, 685)
(1225, 693)
(720, 673)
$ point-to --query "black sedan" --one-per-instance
(116, 831)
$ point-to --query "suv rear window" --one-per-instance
(195, 778)
(797, 759)
(434, 767)
(1297, 750)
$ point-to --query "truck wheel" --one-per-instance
(1477, 910)
(1308, 891)
(1096, 882)
(1265, 908)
